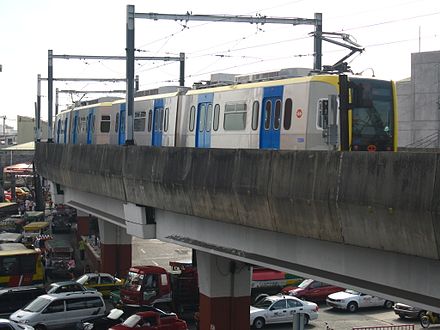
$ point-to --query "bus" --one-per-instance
(20, 266)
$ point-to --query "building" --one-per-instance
(419, 102)
(26, 129)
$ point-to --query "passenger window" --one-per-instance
(215, 125)
(288, 105)
(202, 117)
(93, 302)
(75, 304)
(255, 113)
(150, 119)
(105, 124)
(55, 307)
(5, 326)
(293, 303)
(268, 113)
(281, 304)
(167, 116)
(92, 280)
(209, 117)
(192, 113)
(277, 118)
(106, 280)
(117, 122)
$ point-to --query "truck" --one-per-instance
(178, 291)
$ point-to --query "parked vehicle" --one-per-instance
(178, 291)
(429, 318)
(15, 298)
(312, 290)
(11, 325)
(10, 237)
(353, 300)
(102, 282)
(115, 316)
(280, 309)
(60, 309)
(59, 255)
(151, 321)
(403, 311)
(66, 286)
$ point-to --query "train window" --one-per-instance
(105, 124)
(277, 118)
(93, 123)
(209, 117)
(150, 119)
(288, 114)
(216, 117)
(255, 110)
(235, 117)
(267, 114)
(202, 117)
(167, 118)
(192, 114)
(140, 118)
(161, 119)
(322, 104)
(117, 122)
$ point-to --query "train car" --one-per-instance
(62, 127)
(288, 114)
(155, 118)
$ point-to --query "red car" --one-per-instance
(312, 290)
(151, 320)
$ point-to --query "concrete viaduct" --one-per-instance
(367, 221)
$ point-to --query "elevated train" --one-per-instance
(292, 113)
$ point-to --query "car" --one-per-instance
(352, 300)
(151, 320)
(280, 309)
(15, 298)
(403, 311)
(66, 286)
(6, 324)
(57, 310)
(312, 290)
(103, 282)
(116, 316)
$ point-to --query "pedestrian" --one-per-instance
(82, 247)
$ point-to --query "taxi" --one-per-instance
(102, 282)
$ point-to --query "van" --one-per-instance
(60, 310)
(15, 298)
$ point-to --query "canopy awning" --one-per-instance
(19, 169)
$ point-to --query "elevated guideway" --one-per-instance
(362, 220)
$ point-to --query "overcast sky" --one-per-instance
(389, 31)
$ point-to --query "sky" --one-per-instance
(388, 30)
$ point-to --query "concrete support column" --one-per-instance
(83, 224)
(225, 288)
(115, 248)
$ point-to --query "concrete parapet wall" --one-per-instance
(386, 201)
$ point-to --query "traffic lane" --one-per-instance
(343, 320)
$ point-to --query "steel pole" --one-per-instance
(182, 69)
(38, 110)
(49, 96)
(129, 139)
(317, 64)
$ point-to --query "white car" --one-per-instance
(8, 324)
(280, 309)
(352, 300)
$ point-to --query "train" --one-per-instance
(284, 111)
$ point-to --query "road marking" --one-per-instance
(155, 263)
(143, 251)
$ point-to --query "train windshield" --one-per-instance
(372, 115)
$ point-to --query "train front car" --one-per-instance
(373, 115)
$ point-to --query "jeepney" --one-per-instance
(59, 255)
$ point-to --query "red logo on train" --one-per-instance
(299, 113)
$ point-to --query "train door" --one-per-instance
(271, 117)
(121, 130)
(204, 121)
(75, 127)
(157, 123)
(90, 126)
